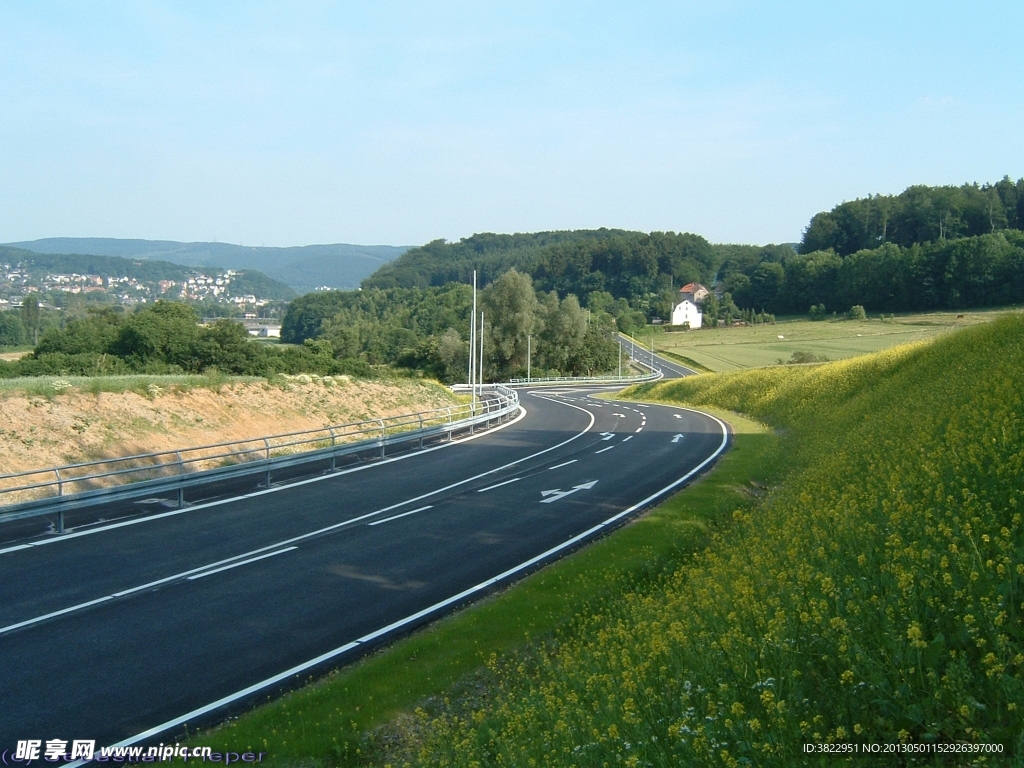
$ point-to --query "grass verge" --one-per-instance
(335, 721)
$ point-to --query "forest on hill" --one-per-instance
(927, 248)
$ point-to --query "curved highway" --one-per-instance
(124, 632)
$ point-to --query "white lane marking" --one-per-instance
(498, 485)
(605, 449)
(607, 435)
(149, 518)
(677, 415)
(630, 437)
(243, 562)
(677, 438)
(404, 514)
(11, 627)
(639, 428)
(564, 464)
(558, 493)
(301, 537)
(619, 415)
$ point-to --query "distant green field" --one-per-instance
(730, 349)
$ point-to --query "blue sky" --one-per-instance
(398, 123)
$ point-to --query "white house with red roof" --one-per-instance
(687, 311)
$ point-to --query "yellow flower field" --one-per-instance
(875, 595)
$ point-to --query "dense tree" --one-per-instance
(12, 330)
(512, 314)
(31, 316)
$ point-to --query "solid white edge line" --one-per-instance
(275, 489)
(243, 562)
(426, 611)
(404, 514)
(497, 485)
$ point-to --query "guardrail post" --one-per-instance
(267, 444)
(383, 436)
(420, 415)
(181, 483)
(449, 423)
(60, 509)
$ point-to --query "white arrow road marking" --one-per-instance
(607, 435)
(677, 438)
(677, 415)
(619, 415)
(558, 493)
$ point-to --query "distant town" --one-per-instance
(19, 280)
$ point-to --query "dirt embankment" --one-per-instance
(37, 431)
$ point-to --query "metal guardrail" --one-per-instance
(32, 493)
(654, 374)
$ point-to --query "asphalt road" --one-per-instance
(642, 354)
(123, 632)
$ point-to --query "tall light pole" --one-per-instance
(472, 346)
(620, 359)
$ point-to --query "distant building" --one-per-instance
(687, 312)
(695, 293)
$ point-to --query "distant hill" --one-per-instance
(304, 268)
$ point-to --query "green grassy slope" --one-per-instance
(872, 596)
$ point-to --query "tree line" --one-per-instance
(166, 337)
(644, 269)
(919, 214)
(427, 329)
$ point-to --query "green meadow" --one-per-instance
(754, 346)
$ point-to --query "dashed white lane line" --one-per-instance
(638, 429)
(564, 464)
(243, 562)
(496, 485)
(605, 449)
(311, 534)
(627, 438)
(404, 514)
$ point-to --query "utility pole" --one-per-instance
(529, 352)
(481, 380)
(620, 359)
